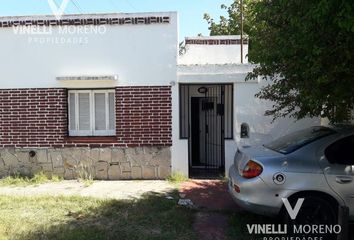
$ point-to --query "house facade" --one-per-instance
(88, 95)
(106, 96)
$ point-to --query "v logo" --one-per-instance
(293, 212)
(58, 12)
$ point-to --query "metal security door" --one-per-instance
(213, 111)
(206, 121)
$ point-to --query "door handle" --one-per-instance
(343, 180)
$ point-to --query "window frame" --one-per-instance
(92, 132)
(327, 148)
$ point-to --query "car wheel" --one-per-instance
(315, 210)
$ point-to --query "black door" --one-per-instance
(196, 131)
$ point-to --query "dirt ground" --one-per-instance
(98, 189)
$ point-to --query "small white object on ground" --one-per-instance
(185, 202)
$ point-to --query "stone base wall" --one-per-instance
(87, 163)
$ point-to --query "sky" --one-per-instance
(191, 12)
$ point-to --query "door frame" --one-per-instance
(186, 96)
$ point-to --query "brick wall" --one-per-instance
(38, 118)
(144, 116)
(33, 117)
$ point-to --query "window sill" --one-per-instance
(89, 139)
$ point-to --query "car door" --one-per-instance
(338, 167)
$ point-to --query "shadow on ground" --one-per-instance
(152, 217)
(209, 195)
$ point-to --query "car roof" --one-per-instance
(343, 128)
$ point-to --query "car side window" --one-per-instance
(341, 151)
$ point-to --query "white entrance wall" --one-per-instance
(179, 150)
(247, 108)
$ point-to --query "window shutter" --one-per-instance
(91, 112)
(84, 111)
(100, 111)
(111, 107)
(72, 112)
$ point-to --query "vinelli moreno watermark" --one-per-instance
(60, 35)
(297, 232)
(58, 11)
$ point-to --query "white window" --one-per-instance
(91, 113)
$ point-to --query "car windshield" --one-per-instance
(292, 142)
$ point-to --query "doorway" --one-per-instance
(203, 110)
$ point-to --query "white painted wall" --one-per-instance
(179, 150)
(138, 54)
(250, 110)
(213, 54)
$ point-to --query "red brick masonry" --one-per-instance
(33, 117)
(39, 118)
(144, 116)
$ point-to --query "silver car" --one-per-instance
(316, 164)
